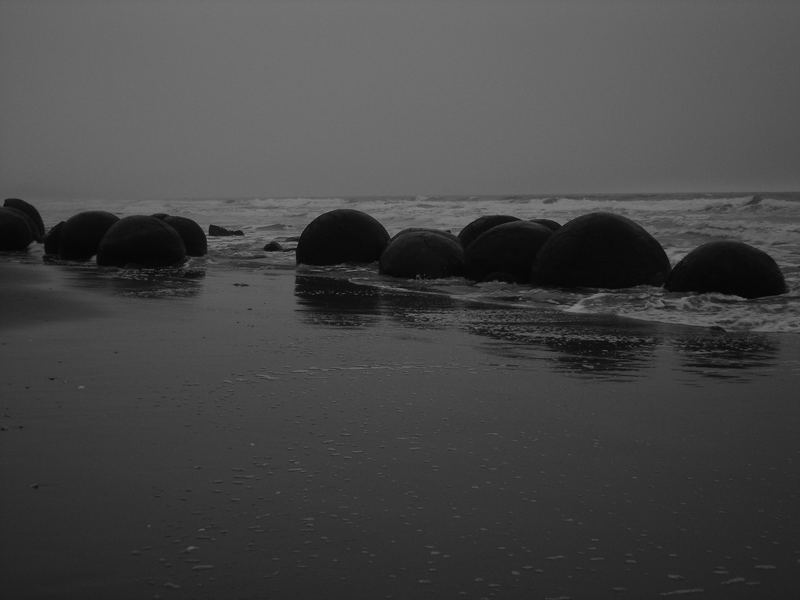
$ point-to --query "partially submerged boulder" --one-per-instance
(727, 267)
(473, 229)
(342, 235)
(141, 241)
(424, 254)
(52, 241)
(81, 234)
(446, 234)
(219, 231)
(549, 223)
(15, 230)
(505, 252)
(193, 236)
(30, 211)
(602, 250)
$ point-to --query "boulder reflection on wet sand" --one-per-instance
(178, 282)
(335, 301)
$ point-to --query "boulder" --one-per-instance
(273, 246)
(193, 236)
(219, 231)
(468, 235)
(141, 241)
(81, 234)
(30, 211)
(340, 236)
(549, 223)
(52, 241)
(727, 267)
(602, 250)
(505, 252)
(15, 230)
(424, 254)
(446, 234)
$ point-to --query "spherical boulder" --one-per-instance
(193, 236)
(549, 223)
(30, 211)
(342, 235)
(273, 246)
(473, 229)
(29, 223)
(52, 241)
(727, 267)
(15, 230)
(442, 232)
(602, 250)
(82, 232)
(423, 254)
(141, 241)
(505, 252)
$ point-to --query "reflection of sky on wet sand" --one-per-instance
(611, 349)
(595, 347)
(733, 357)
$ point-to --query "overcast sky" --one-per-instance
(179, 98)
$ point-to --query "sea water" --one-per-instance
(680, 222)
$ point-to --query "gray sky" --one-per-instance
(333, 97)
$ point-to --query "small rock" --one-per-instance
(216, 230)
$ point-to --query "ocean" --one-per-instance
(680, 222)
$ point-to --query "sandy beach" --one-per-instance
(280, 434)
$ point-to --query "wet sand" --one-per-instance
(259, 434)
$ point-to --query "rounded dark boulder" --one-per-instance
(441, 232)
(193, 236)
(30, 211)
(219, 231)
(473, 229)
(549, 223)
(52, 241)
(141, 241)
(273, 246)
(505, 252)
(342, 235)
(602, 250)
(81, 234)
(423, 254)
(727, 267)
(15, 230)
